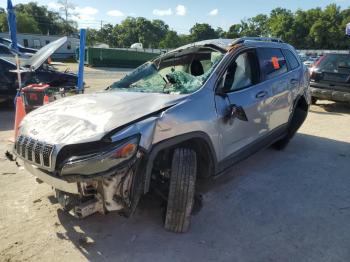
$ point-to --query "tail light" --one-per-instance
(319, 60)
(312, 69)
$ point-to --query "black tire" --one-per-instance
(181, 190)
(297, 120)
(313, 100)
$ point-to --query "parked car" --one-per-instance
(303, 57)
(5, 52)
(33, 70)
(22, 49)
(310, 61)
(191, 113)
(330, 78)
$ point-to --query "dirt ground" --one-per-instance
(292, 205)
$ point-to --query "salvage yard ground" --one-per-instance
(292, 205)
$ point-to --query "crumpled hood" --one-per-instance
(84, 118)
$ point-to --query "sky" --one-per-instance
(180, 15)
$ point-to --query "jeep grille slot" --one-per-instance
(47, 155)
(34, 151)
(30, 150)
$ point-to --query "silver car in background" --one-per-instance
(188, 114)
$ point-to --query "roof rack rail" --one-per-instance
(262, 39)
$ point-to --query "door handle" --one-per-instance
(294, 81)
(261, 94)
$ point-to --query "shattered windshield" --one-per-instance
(182, 72)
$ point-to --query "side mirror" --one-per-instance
(234, 111)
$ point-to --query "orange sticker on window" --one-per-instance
(275, 63)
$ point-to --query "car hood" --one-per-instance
(85, 118)
(43, 54)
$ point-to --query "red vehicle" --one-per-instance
(33, 95)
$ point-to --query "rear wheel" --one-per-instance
(181, 190)
(297, 120)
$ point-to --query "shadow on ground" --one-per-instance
(331, 108)
(275, 206)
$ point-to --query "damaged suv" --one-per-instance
(188, 114)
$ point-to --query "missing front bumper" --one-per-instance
(51, 180)
(118, 191)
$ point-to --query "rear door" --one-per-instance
(281, 83)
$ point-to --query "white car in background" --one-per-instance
(310, 61)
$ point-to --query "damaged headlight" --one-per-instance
(101, 161)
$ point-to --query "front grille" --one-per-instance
(34, 151)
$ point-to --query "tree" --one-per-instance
(234, 31)
(280, 23)
(171, 40)
(126, 33)
(219, 32)
(255, 26)
(105, 35)
(91, 36)
(32, 18)
(161, 29)
(25, 24)
(202, 32)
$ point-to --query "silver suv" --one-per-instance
(188, 114)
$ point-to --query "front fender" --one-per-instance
(170, 143)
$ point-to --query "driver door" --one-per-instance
(242, 92)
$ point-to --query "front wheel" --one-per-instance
(181, 190)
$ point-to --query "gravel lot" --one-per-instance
(292, 205)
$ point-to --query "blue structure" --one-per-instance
(11, 19)
(80, 85)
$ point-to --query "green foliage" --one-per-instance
(32, 18)
(234, 31)
(313, 28)
(202, 32)
(255, 26)
(171, 40)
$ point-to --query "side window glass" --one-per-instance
(272, 62)
(239, 73)
(292, 60)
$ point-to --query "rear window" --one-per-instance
(272, 61)
(292, 60)
(334, 62)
